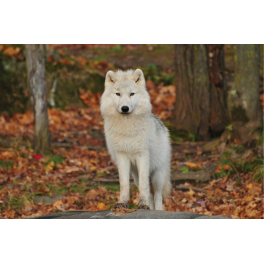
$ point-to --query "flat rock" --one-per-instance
(139, 214)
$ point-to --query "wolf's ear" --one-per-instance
(138, 76)
(110, 78)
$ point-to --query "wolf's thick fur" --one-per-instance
(137, 140)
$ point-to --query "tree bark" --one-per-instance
(202, 88)
(192, 90)
(35, 57)
(219, 118)
(244, 103)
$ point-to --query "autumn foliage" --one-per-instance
(75, 176)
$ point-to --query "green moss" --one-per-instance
(6, 164)
(239, 114)
(62, 189)
(180, 135)
(240, 149)
(13, 85)
(56, 158)
(69, 83)
(15, 203)
(112, 187)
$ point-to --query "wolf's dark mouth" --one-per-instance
(125, 113)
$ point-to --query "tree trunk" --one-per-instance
(244, 103)
(219, 118)
(35, 57)
(192, 89)
(202, 88)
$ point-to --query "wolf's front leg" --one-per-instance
(123, 164)
(143, 172)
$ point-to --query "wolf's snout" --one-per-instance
(125, 109)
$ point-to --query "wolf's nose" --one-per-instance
(125, 109)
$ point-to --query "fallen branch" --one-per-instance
(172, 200)
(106, 180)
(189, 143)
(201, 175)
(68, 145)
(184, 187)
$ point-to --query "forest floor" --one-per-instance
(224, 179)
(79, 174)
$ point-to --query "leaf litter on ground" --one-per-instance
(80, 156)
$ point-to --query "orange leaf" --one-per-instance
(57, 204)
(8, 155)
(91, 194)
(102, 206)
(71, 199)
(222, 185)
(50, 59)
(71, 169)
(11, 214)
(218, 169)
(190, 164)
(12, 51)
(226, 167)
(250, 186)
(66, 62)
(237, 141)
(249, 198)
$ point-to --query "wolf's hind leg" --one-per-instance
(157, 181)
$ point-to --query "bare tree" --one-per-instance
(244, 103)
(201, 90)
(35, 57)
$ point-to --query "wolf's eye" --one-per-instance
(137, 79)
(118, 94)
(132, 94)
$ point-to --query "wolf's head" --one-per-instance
(125, 93)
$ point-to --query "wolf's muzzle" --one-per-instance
(125, 109)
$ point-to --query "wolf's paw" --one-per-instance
(121, 205)
(144, 207)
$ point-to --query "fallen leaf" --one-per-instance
(202, 203)
(11, 51)
(57, 204)
(102, 206)
(191, 192)
(226, 167)
(249, 198)
(37, 156)
(50, 166)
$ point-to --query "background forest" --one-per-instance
(209, 96)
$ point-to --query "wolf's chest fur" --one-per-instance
(127, 134)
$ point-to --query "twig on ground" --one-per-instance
(238, 175)
(184, 187)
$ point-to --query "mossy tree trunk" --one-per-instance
(191, 112)
(244, 103)
(219, 117)
(35, 57)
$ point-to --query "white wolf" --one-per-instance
(137, 140)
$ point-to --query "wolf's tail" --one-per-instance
(166, 191)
